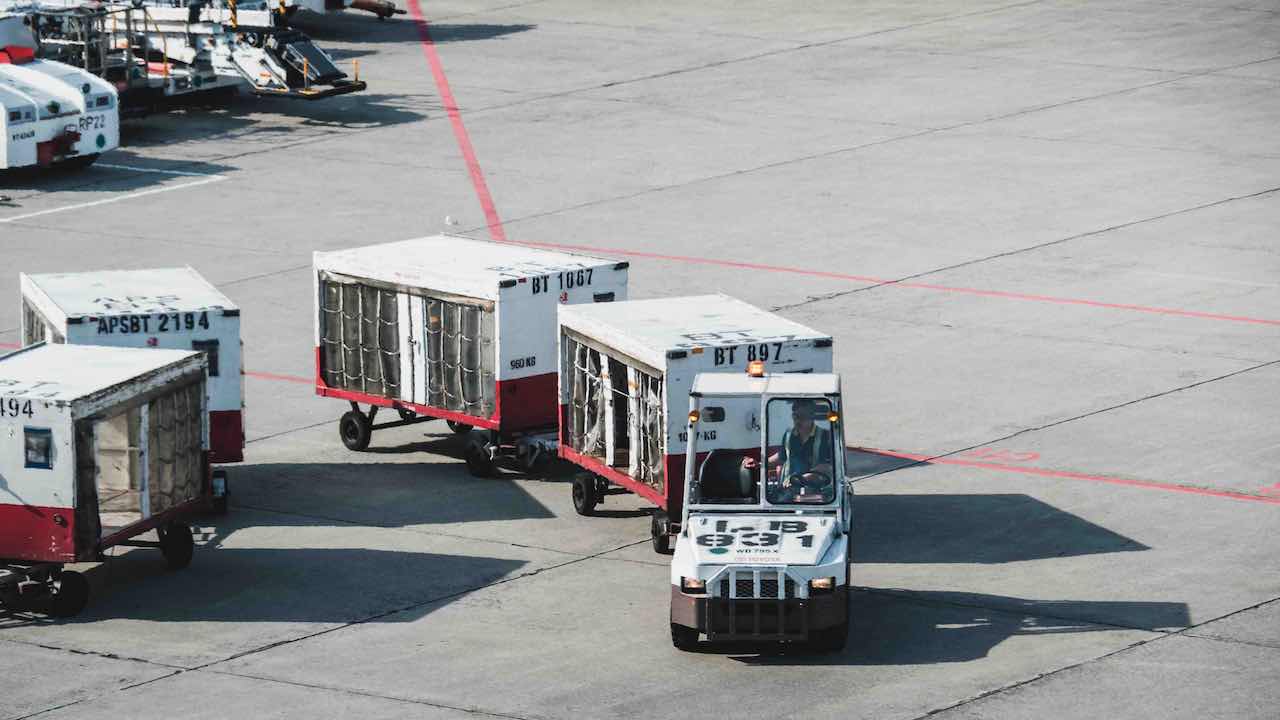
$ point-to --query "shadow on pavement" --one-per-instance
(925, 628)
(361, 28)
(303, 585)
(100, 177)
(979, 528)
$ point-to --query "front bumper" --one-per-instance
(733, 619)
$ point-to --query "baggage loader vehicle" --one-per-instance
(172, 308)
(763, 550)
(161, 54)
(51, 114)
(625, 373)
(452, 328)
(98, 445)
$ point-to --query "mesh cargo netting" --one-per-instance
(640, 394)
(175, 462)
(360, 338)
(32, 325)
(459, 357)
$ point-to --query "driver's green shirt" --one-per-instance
(800, 456)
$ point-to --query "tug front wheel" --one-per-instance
(70, 595)
(585, 495)
(355, 430)
(682, 637)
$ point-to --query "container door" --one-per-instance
(418, 351)
(174, 460)
(88, 523)
(407, 333)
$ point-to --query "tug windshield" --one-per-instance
(801, 451)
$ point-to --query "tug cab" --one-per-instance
(763, 548)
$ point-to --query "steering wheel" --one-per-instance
(809, 486)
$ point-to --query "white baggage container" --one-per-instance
(97, 446)
(453, 328)
(172, 308)
(626, 371)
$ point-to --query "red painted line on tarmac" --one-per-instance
(279, 377)
(1068, 475)
(907, 284)
(496, 232)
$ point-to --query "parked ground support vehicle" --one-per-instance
(763, 551)
(51, 114)
(625, 374)
(452, 328)
(98, 445)
(173, 308)
(158, 54)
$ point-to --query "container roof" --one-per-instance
(648, 329)
(783, 384)
(453, 264)
(130, 292)
(53, 373)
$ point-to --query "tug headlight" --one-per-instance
(693, 586)
(826, 584)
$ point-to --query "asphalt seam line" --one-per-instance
(1183, 632)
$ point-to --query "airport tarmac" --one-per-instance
(1042, 233)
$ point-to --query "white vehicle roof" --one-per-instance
(648, 329)
(452, 264)
(127, 292)
(783, 384)
(65, 373)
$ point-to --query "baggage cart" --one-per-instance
(626, 371)
(98, 445)
(172, 308)
(452, 328)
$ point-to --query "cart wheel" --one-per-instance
(356, 430)
(584, 493)
(406, 414)
(70, 595)
(658, 531)
(177, 545)
(535, 460)
(479, 462)
(683, 638)
(458, 428)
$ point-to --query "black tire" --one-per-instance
(406, 414)
(683, 638)
(457, 427)
(585, 497)
(831, 639)
(535, 461)
(70, 595)
(355, 430)
(661, 538)
(479, 462)
(177, 545)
